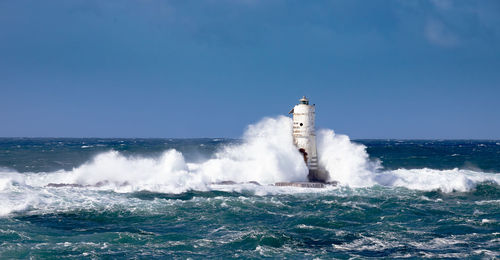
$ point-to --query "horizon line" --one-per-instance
(240, 138)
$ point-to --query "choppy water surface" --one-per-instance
(157, 198)
(340, 223)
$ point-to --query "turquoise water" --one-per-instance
(438, 199)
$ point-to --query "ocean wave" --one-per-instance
(266, 155)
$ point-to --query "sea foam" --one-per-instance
(266, 155)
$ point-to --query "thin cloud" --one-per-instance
(437, 33)
(442, 4)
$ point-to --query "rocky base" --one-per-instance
(306, 184)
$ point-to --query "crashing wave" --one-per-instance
(267, 155)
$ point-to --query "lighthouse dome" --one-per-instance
(304, 100)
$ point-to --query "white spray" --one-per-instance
(266, 155)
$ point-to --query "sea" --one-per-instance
(214, 197)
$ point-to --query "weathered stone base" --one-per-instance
(301, 184)
(306, 184)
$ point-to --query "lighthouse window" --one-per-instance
(301, 124)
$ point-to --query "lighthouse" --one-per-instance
(304, 137)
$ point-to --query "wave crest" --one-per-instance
(266, 155)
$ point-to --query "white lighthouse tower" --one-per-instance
(304, 137)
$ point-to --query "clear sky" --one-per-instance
(208, 68)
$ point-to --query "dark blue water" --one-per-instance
(112, 217)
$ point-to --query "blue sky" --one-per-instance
(207, 68)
